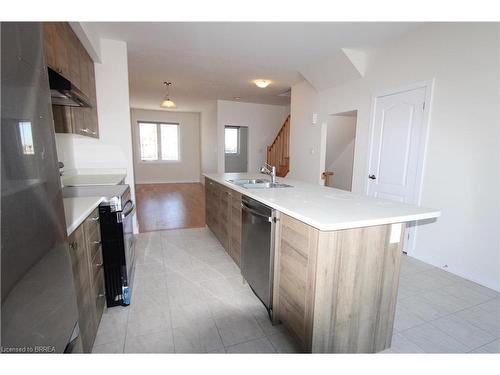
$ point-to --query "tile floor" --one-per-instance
(189, 297)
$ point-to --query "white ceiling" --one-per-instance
(207, 61)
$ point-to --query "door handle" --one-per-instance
(372, 177)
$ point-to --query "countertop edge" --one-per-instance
(83, 215)
(432, 214)
(75, 180)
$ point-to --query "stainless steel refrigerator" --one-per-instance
(38, 307)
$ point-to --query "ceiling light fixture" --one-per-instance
(262, 83)
(167, 102)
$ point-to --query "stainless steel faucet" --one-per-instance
(270, 170)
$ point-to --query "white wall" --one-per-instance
(263, 122)
(187, 169)
(113, 149)
(208, 129)
(339, 153)
(461, 175)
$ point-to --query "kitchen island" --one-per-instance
(336, 258)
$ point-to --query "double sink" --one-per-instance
(257, 184)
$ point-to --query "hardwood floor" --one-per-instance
(170, 206)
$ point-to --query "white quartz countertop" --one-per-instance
(327, 208)
(93, 179)
(76, 210)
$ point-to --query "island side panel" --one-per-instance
(294, 281)
(357, 278)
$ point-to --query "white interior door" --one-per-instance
(396, 152)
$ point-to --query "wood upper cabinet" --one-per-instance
(65, 54)
(223, 216)
(72, 45)
(88, 277)
(56, 49)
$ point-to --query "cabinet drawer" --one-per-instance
(99, 295)
(96, 265)
(92, 223)
(79, 260)
(95, 246)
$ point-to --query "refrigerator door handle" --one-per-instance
(70, 347)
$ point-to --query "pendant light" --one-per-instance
(262, 83)
(167, 102)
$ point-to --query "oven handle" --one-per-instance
(127, 211)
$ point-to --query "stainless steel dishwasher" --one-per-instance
(257, 248)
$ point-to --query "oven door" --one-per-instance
(127, 216)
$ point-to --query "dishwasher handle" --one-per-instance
(253, 212)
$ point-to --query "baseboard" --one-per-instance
(167, 182)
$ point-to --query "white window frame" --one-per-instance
(238, 145)
(158, 140)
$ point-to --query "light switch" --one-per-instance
(314, 118)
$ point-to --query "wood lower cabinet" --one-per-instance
(295, 270)
(235, 228)
(88, 277)
(337, 291)
(223, 216)
(65, 54)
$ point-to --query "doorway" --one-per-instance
(235, 149)
(339, 150)
(397, 148)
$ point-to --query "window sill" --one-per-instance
(159, 161)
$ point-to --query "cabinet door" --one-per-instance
(73, 53)
(85, 118)
(294, 277)
(235, 230)
(209, 203)
(55, 45)
(81, 281)
(61, 50)
(215, 196)
(64, 119)
(78, 118)
(99, 295)
(84, 70)
(92, 120)
(225, 217)
(94, 250)
(50, 44)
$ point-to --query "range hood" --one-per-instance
(63, 92)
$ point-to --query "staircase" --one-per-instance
(278, 154)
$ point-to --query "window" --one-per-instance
(159, 141)
(26, 138)
(231, 142)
